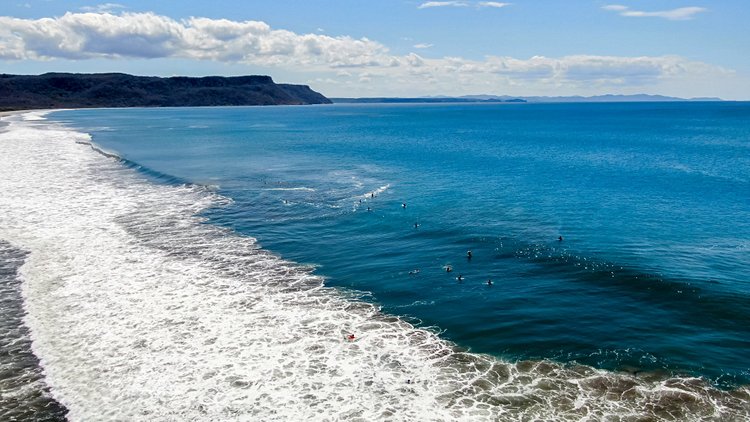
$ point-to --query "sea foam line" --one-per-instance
(138, 311)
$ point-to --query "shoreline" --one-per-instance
(505, 383)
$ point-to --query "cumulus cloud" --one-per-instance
(147, 35)
(581, 69)
(682, 13)
(81, 36)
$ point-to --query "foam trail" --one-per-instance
(376, 192)
(140, 312)
(305, 189)
(23, 392)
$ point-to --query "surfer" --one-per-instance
(448, 269)
(403, 205)
(372, 195)
(350, 337)
(369, 209)
(468, 254)
(414, 271)
(489, 282)
(560, 239)
(460, 278)
(416, 225)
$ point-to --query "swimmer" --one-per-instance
(489, 282)
(360, 201)
(369, 209)
(559, 239)
(468, 254)
(350, 337)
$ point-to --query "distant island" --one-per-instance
(73, 90)
(398, 100)
(609, 98)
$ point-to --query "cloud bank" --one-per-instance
(146, 35)
(343, 61)
(682, 13)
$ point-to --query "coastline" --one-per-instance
(417, 356)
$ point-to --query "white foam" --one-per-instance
(302, 188)
(140, 312)
(376, 192)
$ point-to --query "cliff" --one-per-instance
(72, 90)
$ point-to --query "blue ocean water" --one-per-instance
(651, 200)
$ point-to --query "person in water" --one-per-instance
(369, 209)
(350, 337)
(489, 282)
(416, 225)
(403, 205)
(468, 254)
(560, 239)
(448, 269)
(460, 278)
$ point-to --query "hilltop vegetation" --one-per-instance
(70, 90)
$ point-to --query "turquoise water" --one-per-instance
(651, 201)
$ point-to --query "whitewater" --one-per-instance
(137, 309)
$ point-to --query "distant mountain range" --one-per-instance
(72, 90)
(609, 98)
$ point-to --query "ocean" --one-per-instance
(363, 262)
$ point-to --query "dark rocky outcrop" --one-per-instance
(73, 90)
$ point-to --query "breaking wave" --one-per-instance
(139, 310)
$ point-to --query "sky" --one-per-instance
(405, 48)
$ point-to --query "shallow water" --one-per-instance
(139, 308)
(651, 200)
(23, 393)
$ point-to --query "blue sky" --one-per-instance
(398, 47)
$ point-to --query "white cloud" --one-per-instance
(682, 13)
(345, 60)
(423, 45)
(442, 4)
(477, 5)
(492, 4)
(147, 35)
(101, 8)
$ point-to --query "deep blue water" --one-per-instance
(652, 201)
